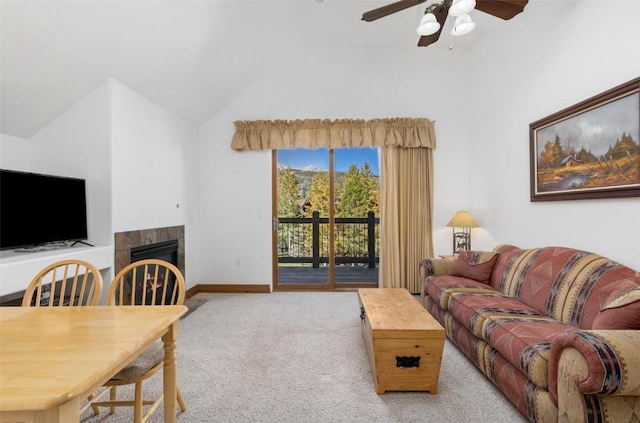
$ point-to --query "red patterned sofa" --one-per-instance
(555, 329)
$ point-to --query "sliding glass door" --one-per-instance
(326, 218)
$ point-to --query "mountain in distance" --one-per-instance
(308, 168)
(306, 174)
(312, 168)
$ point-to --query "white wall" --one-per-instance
(532, 71)
(153, 171)
(151, 153)
(75, 144)
(15, 152)
(235, 188)
(137, 160)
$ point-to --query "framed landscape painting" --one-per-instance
(589, 150)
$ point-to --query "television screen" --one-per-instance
(38, 209)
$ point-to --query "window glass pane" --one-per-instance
(303, 214)
(357, 212)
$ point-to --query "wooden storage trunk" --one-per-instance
(404, 342)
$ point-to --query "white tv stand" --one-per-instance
(18, 268)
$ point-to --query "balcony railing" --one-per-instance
(306, 240)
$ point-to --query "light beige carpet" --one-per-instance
(299, 357)
(192, 304)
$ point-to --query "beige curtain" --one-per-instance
(342, 133)
(406, 203)
(406, 186)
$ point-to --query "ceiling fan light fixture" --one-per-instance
(428, 25)
(461, 7)
(463, 25)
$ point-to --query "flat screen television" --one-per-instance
(37, 209)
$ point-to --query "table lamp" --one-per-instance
(462, 239)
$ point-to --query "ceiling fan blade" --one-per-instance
(389, 9)
(441, 12)
(505, 9)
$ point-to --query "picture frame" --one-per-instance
(589, 150)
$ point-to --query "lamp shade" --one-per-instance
(428, 25)
(463, 25)
(461, 7)
(462, 219)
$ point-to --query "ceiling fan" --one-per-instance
(436, 14)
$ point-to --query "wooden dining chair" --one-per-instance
(65, 283)
(144, 283)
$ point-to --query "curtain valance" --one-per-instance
(340, 133)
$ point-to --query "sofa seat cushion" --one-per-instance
(525, 341)
(473, 309)
(440, 288)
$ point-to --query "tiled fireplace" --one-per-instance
(126, 241)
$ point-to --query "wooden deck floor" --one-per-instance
(288, 275)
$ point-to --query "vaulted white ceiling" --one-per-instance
(189, 56)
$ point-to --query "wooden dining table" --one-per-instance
(53, 358)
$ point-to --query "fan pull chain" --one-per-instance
(451, 34)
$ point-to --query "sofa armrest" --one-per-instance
(433, 267)
(586, 367)
(436, 267)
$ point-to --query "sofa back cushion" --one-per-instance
(506, 254)
(567, 284)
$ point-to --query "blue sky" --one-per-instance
(344, 157)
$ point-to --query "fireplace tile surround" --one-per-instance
(125, 241)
